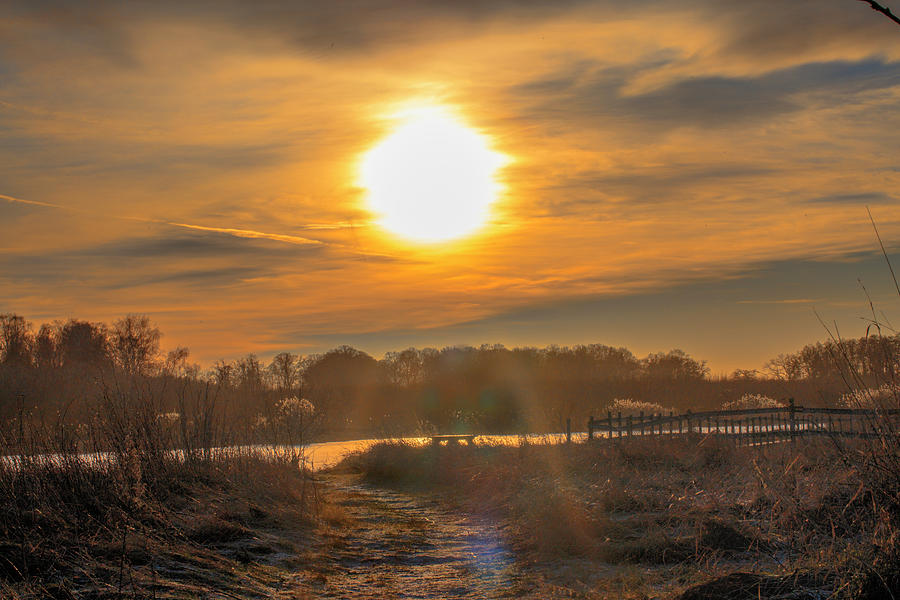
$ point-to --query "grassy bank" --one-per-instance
(689, 516)
(111, 510)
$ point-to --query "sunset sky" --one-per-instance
(690, 174)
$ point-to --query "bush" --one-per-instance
(627, 406)
(748, 401)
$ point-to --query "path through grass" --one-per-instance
(389, 544)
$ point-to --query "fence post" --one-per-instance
(689, 424)
(568, 430)
(629, 425)
(609, 422)
(792, 415)
(591, 427)
(641, 417)
(619, 418)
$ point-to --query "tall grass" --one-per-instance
(686, 509)
(96, 506)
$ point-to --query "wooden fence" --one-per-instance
(754, 425)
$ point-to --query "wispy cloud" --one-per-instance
(243, 233)
(783, 301)
(246, 233)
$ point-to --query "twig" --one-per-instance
(883, 251)
(883, 10)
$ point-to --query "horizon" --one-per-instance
(204, 370)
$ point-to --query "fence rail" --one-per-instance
(754, 425)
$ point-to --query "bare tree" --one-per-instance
(135, 343)
(284, 371)
(15, 339)
(176, 361)
(223, 374)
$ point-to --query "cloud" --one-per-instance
(599, 99)
(202, 243)
(785, 301)
(205, 279)
(13, 200)
(854, 198)
(246, 233)
(758, 29)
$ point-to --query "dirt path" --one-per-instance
(393, 545)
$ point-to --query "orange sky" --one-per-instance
(678, 170)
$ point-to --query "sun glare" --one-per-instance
(432, 179)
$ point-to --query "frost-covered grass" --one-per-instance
(136, 519)
(685, 510)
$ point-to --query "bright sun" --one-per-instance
(431, 179)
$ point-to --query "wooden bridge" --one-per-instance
(754, 425)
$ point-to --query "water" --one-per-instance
(319, 455)
(325, 454)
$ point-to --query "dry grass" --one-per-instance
(133, 518)
(689, 509)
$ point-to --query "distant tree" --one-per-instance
(223, 374)
(249, 373)
(404, 368)
(745, 374)
(46, 350)
(342, 383)
(784, 366)
(83, 343)
(873, 356)
(135, 344)
(176, 362)
(676, 365)
(15, 340)
(284, 370)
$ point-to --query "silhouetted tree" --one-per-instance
(176, 363)
(675, 365)
(404, 368)
(249, 374)
(284, 371)
(15, 340)
(46, 350)
(134, 343)
(83, 343)
(342, 384)
(223, 374)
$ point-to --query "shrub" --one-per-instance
(881, 397)
(748, 401)
(628, 406)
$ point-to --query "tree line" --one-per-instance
(52, 372)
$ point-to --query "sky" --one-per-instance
(691, 174)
